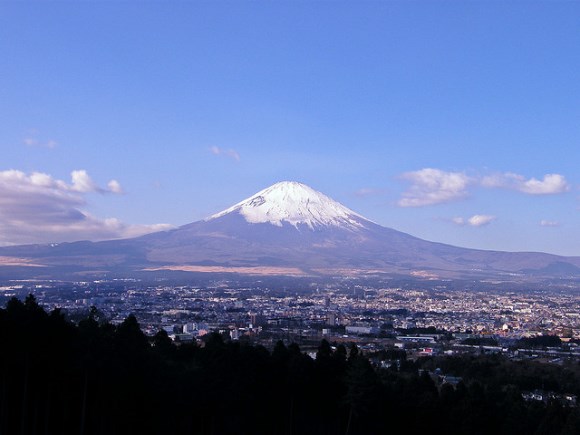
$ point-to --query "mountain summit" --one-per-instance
(296, 204)
(285, 229)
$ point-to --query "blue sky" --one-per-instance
(454, 121)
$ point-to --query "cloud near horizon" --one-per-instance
(231, 153)
(431, 186)
(37, 208)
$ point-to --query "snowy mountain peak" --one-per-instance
(296, 204)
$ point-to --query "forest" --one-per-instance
(93, 377)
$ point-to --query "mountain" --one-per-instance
(286, 229)
(289, 202)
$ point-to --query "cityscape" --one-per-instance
(376, 317)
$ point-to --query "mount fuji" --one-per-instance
(296, 204)
(286, 229)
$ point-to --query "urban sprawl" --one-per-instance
(426, 321)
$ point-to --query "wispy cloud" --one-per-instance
(550, 184)
(458, 220)
(547, 223)
(433, 186)
(231, 153)
(33, 141)
(37, 208)
(477, 220)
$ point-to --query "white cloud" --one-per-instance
(479, 220)
(433, 186)
(550, 184)
(81, 182)
(547, 223)
(114, 186)
(231, 153)
(37, 208)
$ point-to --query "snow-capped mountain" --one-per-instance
(296, 204)
(286, 229)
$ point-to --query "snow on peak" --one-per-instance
(294, 203)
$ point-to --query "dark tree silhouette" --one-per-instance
(92, 378)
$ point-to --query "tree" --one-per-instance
(362, 388)
(324, 350)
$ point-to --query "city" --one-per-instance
(375, 317)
